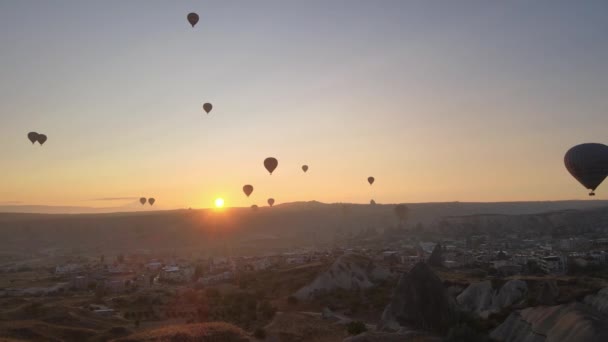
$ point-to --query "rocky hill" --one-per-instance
(349, 271)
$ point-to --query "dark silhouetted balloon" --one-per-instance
(271, 202)
(142, 200)
(41, 139)
(401, 211)
(372, 202)
(271, 164)
(207, 107)
(248, 189)
(151, 201)
(192, 18)
(254, 207)
(32, 136)
(370, 180)
(588, 163)
(304, 168)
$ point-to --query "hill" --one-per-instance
(283, 226)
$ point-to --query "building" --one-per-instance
(67, 269)
(552, 264)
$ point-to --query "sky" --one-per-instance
(438, 100)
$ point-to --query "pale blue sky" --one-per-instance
(439, 100)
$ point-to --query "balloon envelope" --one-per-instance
(192, 18)
(271, 202)
(32, 136)
(207, 107)
(370, 180)
(151, 201)
(588, 163)
(254, 207)
(304, 168)
(248, 189)
(41, 139)
(271, 164)
(142, 200)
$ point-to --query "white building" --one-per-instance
(67, 269)
(552, 264)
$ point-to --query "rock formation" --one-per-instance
(483, 300)
(599, 301)
(349, 271)
(436, 258)
(420, 301)
(568, 322)
(548, 293)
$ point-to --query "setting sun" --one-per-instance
(219, 202)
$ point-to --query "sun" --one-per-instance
(219, 202)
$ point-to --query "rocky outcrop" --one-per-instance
(420, 301)
(571, 322)
(482, 299)
(599, 301)
(547, 293)
(349, 271)
(436, 257)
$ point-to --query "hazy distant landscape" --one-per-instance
(289, 225)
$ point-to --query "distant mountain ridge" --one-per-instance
(451, 208)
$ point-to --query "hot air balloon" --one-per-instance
(304, 168)
(254, 207)
(588, 163)
(271, 202)
(33, 137)
(248, 189)
(271, 164)
(370, 180)
(207, 107)
(192, 18)
(401, 211)
(142, 200)
(151, 201)
(41, 139)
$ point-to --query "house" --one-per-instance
(552, 264)
(176, 274)
(261, 264)
(67, 269)
(217, 278)
(80, 282)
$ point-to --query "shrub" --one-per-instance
(356, 328)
